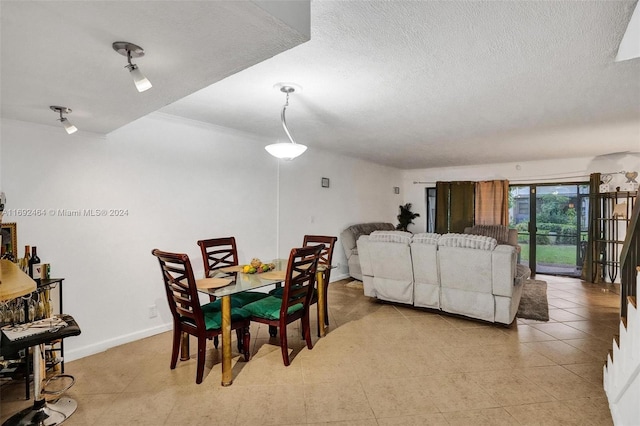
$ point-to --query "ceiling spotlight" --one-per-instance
(286, 150)
(70, 128)
(131, 50)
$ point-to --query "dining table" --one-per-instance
(225, 282)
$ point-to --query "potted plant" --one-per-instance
(406, 217)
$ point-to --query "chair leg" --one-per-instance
(326, 305)
(215, 342)
(239, 334)
(307, 329)
(284, 345)
(175, 350)
(246, 343)
(202, 350)
(273, 331)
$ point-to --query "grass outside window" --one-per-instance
(551, 254)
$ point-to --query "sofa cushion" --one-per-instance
(426, 238)
(390, 237)
(479, 242)
(499, 232)
(368, 228)
(349, 238)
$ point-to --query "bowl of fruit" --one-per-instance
(256, 267)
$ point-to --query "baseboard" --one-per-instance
(77, 353)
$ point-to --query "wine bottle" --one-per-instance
(26, 259)
(35, 265)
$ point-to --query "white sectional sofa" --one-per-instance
(469, 275)
(349, 238)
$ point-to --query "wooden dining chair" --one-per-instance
(219, 253)
(203, 322)
(299, 283)
(326, 255)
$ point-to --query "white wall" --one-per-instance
(358, 192)
(179, 181)
(561, 170)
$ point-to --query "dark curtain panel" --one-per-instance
(461, 206)
(442, 207)
(454, 206)
(591, 270)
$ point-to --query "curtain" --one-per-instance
(442, 207)
(591, 268)
(454, 206)
(492, 202)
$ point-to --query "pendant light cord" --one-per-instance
(284, 120)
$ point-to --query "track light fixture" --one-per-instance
(131, 50)
(286, 150)
(70, 128)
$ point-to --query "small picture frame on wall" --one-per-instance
(325, 182)
(9, 237)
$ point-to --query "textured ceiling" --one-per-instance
(59, 53)
(407, 84)
(428, 84)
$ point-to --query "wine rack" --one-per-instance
(54, 350)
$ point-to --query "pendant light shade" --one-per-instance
(286, 150)
(142, 83)
(70, 128)
(131, 50)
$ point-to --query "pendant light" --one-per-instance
(70, 128)
(286, 150)
(131, 50)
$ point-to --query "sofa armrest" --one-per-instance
(503, 265)
(513, 239)
(364, 253)
(348, 242)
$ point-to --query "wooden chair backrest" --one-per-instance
(300, 277)
(327, 252)
(180, 286)
(218, 253)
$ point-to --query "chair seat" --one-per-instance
(239, 300)
(277, 292)
(269, 308)
(213, 315)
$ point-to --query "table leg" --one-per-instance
(227, 376)
(184, 348)
(321, 302)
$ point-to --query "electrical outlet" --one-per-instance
(153, 311)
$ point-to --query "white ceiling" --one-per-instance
(407, 84)
(59, 53)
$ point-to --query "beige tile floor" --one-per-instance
(379, 364)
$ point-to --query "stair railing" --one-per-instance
(630, 260)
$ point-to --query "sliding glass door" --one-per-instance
(552, 226)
